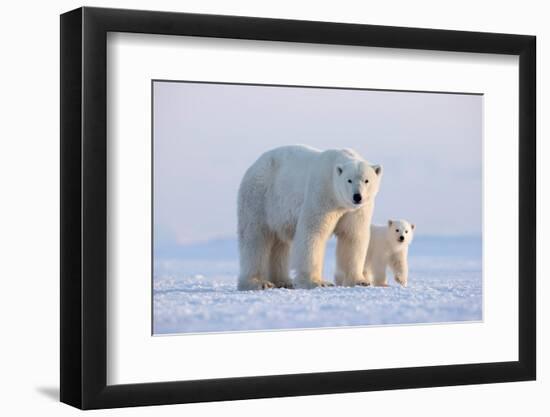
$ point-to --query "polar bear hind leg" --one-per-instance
(379, 277)
(265, 263)
(254, 257)
(278, 273)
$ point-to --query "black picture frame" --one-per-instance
(84, 207)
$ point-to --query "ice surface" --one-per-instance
(194, 290)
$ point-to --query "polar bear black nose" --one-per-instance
(357, 198)
(401, 238)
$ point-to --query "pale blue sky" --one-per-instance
(207, 135)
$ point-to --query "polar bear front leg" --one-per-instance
(312, 233)
(351, 249)
(368, 275)
(400, 268)
(350, 260)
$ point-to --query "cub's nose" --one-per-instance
(401, 238)
(357, 198)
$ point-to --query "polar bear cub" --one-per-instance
(293, 198)
(388, 247)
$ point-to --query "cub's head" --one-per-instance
(400, 232)
(356, 183)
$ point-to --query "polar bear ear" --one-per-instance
(339, 169)
(377, 169)
(412, 226)
(390, 222)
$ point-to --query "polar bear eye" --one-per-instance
(349, 181)
(397, 230)
(366, 181)
(406, 231)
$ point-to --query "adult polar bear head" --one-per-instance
(356, 182)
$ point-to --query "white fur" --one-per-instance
(297, 196)
(387, 250)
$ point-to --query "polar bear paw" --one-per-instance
(350, 282)
(310, 284)
(255, 284)
(289, 285)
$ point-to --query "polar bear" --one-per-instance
(388, 247)
(293, 198)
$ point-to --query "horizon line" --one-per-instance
(235, 238)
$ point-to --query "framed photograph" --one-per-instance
(257, 208)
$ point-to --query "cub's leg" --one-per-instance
(400, 268)
(279, 266)
(379, 278)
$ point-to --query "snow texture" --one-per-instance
(194, 290)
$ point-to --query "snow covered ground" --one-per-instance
(194, 290)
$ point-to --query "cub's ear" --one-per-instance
(339, 169)
(377, 169)
(412, 226)
(390, 223)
